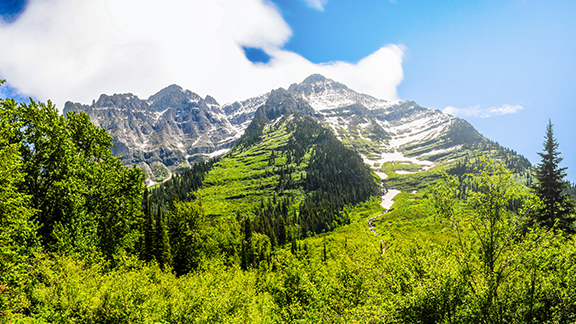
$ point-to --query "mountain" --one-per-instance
(175, 128)
(170, 130)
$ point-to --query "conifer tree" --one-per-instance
(247, 250)
(281, 231)
(293, 245)
(163, 251)
(550, 185)
(149, 230)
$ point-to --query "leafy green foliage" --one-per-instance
(69, 290)
(389, 167)
(413, 181)
(187, 226)
(411, 218)
(148, 231)
(86, 197)
(490, 242)
(17, 231)
(341, 276)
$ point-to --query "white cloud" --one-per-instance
(317, 4)
(76, 50)
(477, 111)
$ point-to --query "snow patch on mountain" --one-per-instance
(218, 153)
(388, 198)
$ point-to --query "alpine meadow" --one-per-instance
(307, 204)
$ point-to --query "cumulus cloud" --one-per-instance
(76, 50)
(477, 111)
(317, 4)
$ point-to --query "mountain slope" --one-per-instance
(286, 168)
(176, 127)
(398, 138)
(171, 129)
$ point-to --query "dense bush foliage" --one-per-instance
(84, 196)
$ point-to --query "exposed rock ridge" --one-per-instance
(175, 127)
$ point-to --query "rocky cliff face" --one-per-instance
(176, 127)
(381, 131)
(169, 130)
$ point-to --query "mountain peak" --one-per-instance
(172, 96)
(210, 100)
(315, 78)
(115, 100)
(316, 83)
(170, 90)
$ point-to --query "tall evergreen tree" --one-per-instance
(550, 185)
(163, 250)
(247, 257)
(281, 228)
(149, 231)
(187, 238)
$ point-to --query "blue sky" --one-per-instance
(505, 66)
(469, 55)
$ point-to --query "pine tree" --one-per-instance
(148, 232)
(247, 250)
(281, 231)
(549, 186)
(163, 251)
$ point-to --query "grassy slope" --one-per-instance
(411, 218)
(242, 178)
(355, 236)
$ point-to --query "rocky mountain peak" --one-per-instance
(282, 102)
(315, 78)
(316, 84)
(115, 100)
(173, 96)
(210, 100)
(277, 96)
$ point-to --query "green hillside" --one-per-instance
(292, 164)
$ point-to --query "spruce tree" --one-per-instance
(163, 250)
(247, 257)
(281, 231)
(550, 185)
(148, 231)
